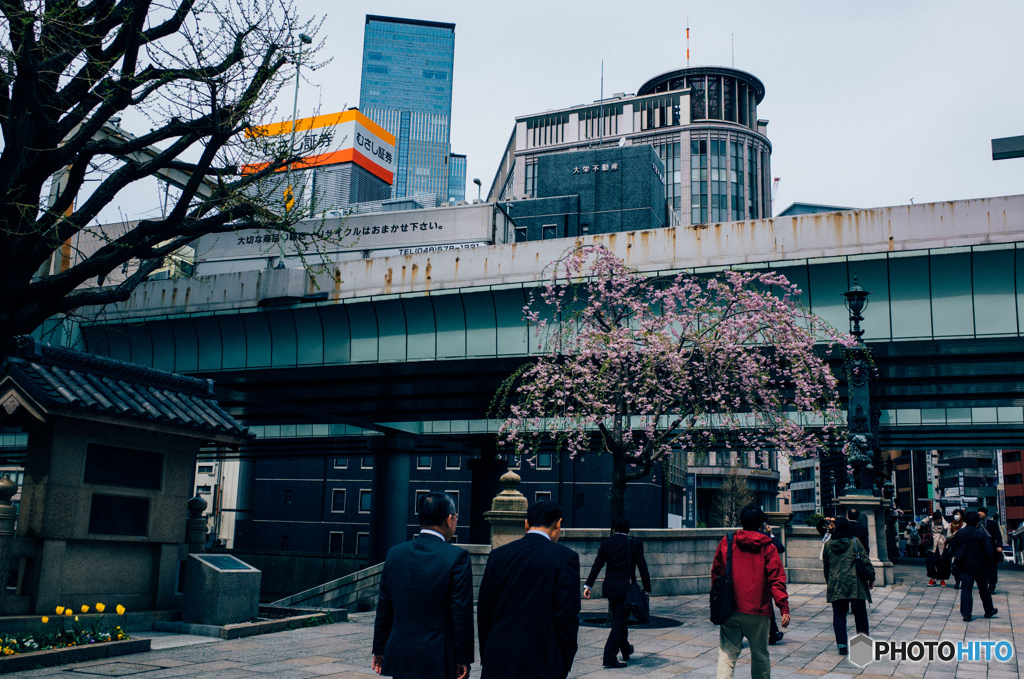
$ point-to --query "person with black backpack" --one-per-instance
(971, 548)
(849, 577)
(746, 575)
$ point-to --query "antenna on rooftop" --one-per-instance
(687, 41)
(600, 121)
(733, 38)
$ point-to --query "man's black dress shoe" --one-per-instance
(626, 654)
(615, 664)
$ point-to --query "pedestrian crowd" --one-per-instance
(527, 612)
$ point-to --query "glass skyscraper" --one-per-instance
(406, 88)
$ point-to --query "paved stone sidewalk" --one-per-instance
(908, 611)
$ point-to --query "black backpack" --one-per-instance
(721, 590)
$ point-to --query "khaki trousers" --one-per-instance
(730, 643)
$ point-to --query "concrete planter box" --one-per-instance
(63, 656)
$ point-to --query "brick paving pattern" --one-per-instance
(904, 612)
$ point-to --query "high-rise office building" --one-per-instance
(407, 89)
(703, 123)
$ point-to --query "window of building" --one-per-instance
(549, 231)
(205, 469)
(455, 496)
(515, 461)
(531, 180)
(698, 181)
(718, 176)
(520, 234)
(1013, 456)
(420, 494)
(287, 496)
(584, 229)
(203, 489)
(544, 460)
(341, 463)
(1014, 479)
(284, 543)
(337, 543)
(452, 462)
(698, 111)
(422, 462)
(366, 463)
(736, 179)
(338, 500)
(729, 99)
(752, 203)
(581, 501)
(362, 543)
(542, 495)
(365, 497)
(714, 97)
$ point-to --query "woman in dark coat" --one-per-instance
(844, 589)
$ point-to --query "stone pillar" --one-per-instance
(8, 518)
(508, 512)
(871, 509)
(389, 502)
(779, 521)
(486, 473)
(195, 526)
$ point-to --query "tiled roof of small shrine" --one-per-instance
(68, 380)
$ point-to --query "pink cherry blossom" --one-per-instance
(651, 369)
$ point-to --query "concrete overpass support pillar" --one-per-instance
(870, 508)
(486, 474)
(389, 502)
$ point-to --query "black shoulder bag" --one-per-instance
(637, 601)
(862, 570)
(721, 590)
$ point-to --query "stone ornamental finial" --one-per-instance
(196, 507)
(7, 490)
(510, 482)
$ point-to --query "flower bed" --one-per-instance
(63, 656)
(65, 631)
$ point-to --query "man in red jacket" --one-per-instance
(758, 577)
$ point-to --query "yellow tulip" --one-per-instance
(76, 618)
(60, 610)
(100, 608)
(85, 609)
(68, 612)
(45, 620)
(120, 609)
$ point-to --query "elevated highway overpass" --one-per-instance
(418, 343)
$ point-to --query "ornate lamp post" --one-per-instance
(859, 449)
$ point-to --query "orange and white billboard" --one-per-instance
(331, 139)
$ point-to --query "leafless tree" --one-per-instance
(188, 79)
(732, 497)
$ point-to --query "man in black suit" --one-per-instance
(529, 602)
(858, 530)
(991, 528)
(424, 625)
(623, 555)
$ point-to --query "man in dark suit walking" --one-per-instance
(424, 625)
(529, 602)
(623, 556)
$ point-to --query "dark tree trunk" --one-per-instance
(618, 491)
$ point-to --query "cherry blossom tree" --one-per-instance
(642, 366)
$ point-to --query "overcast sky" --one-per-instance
(869, 103)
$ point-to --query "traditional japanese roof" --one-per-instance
(65, 382)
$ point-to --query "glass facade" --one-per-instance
(406, 88)
(457, 177)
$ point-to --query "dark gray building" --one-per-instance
(593, 191)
